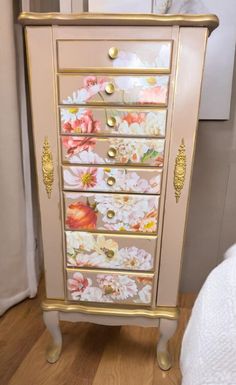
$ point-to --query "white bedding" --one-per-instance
(208, 355)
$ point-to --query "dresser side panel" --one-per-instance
(39, 46)
(192, 44)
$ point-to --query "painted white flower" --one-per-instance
(127, 60)
(155, 184)
(154, 123)
(84, 178)
(119, 287)
(86, 157)
(71, 114)
(92, 294)
(78, 97)
(135, 259)
(79, 240)
(145, 294)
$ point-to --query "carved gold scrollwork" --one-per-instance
(47, 167)
(180, 170)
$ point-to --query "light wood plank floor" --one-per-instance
(92, 354)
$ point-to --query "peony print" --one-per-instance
(127, 151)
(120, 288)
(132, 122)
(89, 250)
(129, 212)
(95, 179)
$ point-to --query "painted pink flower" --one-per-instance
(159, 161)
(154, 95)
(134, 117)
(85, 124)
(90, 81)
(75, 144)
(78, 283)
(67, 127)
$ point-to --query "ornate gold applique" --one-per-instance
(47, 167)
(180, 170)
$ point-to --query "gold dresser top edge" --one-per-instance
(209, 21)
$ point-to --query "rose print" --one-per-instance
(77, 144)
(78, 284)
(81, 216)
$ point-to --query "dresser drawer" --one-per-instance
(109, 287)
(76, 55)
(94, 150)
(129, 180)
(93, 250)
(91, 89)
(111, 212)
(116, 121)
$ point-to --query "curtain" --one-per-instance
(19, 267)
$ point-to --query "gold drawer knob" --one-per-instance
(112, 152)
(111, 181)
(110, 253)
(110, 214)
(110, 88)
(111, 121)
(113, 53)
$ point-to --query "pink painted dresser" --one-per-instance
(114, 104)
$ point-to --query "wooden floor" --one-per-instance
(92, 354)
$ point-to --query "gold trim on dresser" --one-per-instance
(180, 170)
(47, 167)
(34, 18)
(67, 307)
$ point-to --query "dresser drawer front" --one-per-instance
(94, 150)
(117, 122)
(91, 89)
(109, 287)
(93, 250)
(111, 212)
(104, 179)
(75, 55)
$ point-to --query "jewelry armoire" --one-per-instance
(114, 105)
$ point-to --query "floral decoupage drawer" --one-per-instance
(73, 55)
(111, 212)
(94, 150)
(109, 287)
(91, 250)
(129, 180)
(116, 122)
(139, 90)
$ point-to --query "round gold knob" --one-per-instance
(110, 214)
(110, 253)
(111, 181)
(113, 52)
(111, 121)
(110, 88)
(112, 152)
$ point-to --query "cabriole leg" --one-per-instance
(167, 330)
(51, 320)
